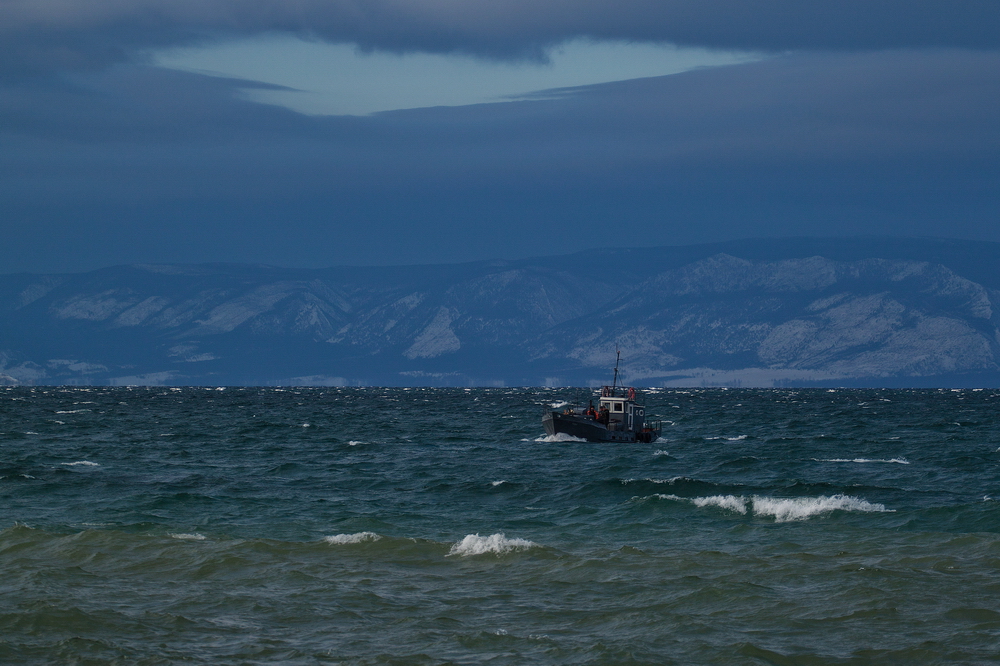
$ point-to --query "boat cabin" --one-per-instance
(623, 414)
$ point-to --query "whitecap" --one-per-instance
(557, 405)
(188, 537)
(305, 425)
(354, 442)
(357, 537)
(727, 502)
(800, 508)
(498, 543)
(898, 461)
(497, 483)
(661, 452)
(672, 480)
(737, 438)
(72, 411)
(560, 437)
(84, 463)
(782, 509)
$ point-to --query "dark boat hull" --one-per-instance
(586, 428)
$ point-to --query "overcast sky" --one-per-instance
(320, 132)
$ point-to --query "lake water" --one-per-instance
(440, 526)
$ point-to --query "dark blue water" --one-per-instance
(438, 526)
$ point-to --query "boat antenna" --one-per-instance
(614, 384)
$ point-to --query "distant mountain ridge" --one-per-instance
(786, 312)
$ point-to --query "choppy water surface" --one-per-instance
(395, 526)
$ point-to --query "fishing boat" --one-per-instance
(619, 417)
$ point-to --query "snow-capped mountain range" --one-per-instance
(791, 312)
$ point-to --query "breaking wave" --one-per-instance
(898, 461)
(559, 437)
(498, 544)
(84, 463)
(728, 502)
(358, 537)
(189, 537)
(783, 509)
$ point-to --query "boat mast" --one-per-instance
(614, 384)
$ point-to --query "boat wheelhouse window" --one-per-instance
(619, 407)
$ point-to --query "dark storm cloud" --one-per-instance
(139, 164)
(42, 35)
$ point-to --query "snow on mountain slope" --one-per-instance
(752, 313)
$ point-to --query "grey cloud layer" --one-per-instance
(141, 164)
(882, 120)
(65, 33)
(813, 106)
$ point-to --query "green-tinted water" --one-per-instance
(368, 526)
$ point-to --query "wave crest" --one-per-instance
(783, 509)
(898, 461)
(801, 508)
(498, 544)
(727, 502)
(560, 437)
(358, 537)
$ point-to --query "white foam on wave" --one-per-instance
(737, 438)
(897, 461)
(84, 463)
(727, 502)
(72, 411)
(357, 537)
(672, 480)
(661, 452)
(498, 483)
(498, 544)
(801, 508)
(783, 509)
(188, 537)
(354, 442)
(557, 405)
(560, 437)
